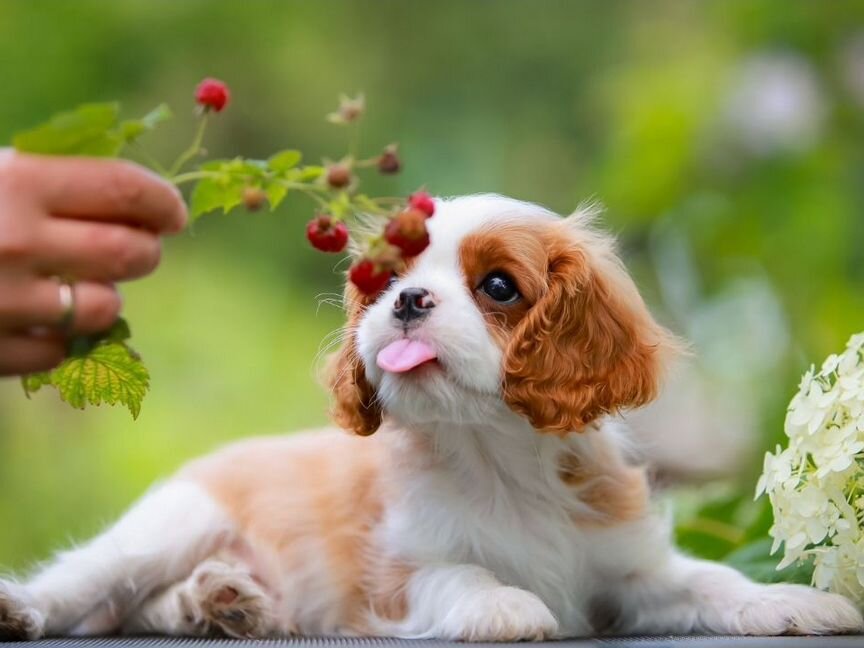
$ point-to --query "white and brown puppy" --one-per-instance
(494, 500)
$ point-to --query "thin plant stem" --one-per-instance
(193, 149)
(149, 159)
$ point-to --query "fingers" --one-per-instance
(96, 251)
(38, 304)
(97, 189)
(25, 354)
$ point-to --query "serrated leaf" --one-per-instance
(214, 193)
(86, 130)
(275, 194)
(109, 373)
(284, 160)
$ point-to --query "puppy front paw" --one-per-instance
(500, 614)
(797, 610)
(19, 621)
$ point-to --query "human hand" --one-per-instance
(90, 221)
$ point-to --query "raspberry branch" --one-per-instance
(385, 230)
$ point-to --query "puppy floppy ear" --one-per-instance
(355, 405)
(588, 346)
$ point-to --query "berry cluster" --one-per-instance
(404, 236)
(334, 186)
(96, 129)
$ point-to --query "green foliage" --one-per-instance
(132, 129)
(284, 160)
(224, 191)
(734, 529)
(99, 369)
(755, 560)
(222, 182)
(89, 129)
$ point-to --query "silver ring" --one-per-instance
(67, 304)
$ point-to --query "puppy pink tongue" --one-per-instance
(404, 355)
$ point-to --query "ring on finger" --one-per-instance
(67, 305)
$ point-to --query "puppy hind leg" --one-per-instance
(155, 543)
(218, 598)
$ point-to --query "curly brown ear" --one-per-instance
(355, 405)
(588, 347)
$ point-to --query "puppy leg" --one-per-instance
(218, 598)
(467, 603)
(687, 595)
(157, 542)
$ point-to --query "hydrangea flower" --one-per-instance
(816, 484)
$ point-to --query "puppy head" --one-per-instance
(509, 307)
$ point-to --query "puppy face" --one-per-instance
(509, 307)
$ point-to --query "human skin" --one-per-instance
(88, 221)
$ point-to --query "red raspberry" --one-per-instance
(422, 201)
(408, 232)
(325, 235)
(338, 176)
(369, 278)
(212, 93)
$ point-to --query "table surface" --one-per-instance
(342, 642)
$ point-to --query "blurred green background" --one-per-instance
(725, 139)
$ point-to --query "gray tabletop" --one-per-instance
(342, 642)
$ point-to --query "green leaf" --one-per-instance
(34, 382)
(131, 129)
(100, 369)
(284, 160)
(86, 130)
(275, 194)
(111, 373)
(213, 193)
(755, 560)
(307, 173)
(158, 115)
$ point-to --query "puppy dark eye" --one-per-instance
(500, 287)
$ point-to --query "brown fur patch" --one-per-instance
(355, 406)
(387, 589)
(617, 491)
(327, 491)
(516, 250)
(587, 345)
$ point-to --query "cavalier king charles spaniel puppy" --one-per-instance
(484, 489)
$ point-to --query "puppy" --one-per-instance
(484, 492)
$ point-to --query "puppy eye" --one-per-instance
(500, 287)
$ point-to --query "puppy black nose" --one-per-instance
(413, 303)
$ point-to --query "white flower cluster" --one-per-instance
(816, 485)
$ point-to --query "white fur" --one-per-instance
(158, 541)
(485, 515)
